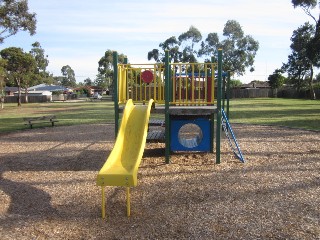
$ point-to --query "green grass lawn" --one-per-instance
(296, 113)
(68, 113)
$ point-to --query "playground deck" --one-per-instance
(186, 110)
(181, 110)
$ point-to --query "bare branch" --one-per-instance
(308, 12)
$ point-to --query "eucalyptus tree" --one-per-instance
(87, 82)
(100, 81)
(172, 45)
(296, 70)
(182, 49)
(41, 74)
(41, 58)
(276, 79)
(239, 50)
(15, 17)
(3, 64)
(188, 41)
(300, 67)
(106, 65)
(19, 67)
(313, 48)
(69, 78)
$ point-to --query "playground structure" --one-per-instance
(185, 94)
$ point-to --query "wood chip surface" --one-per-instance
(48, 190)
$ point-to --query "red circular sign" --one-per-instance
(147, 76)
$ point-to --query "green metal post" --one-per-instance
(223, 95)
(212, 132)
(115, 93)
(167, 100)
(228, 93)
(219, 90)
(170, 85)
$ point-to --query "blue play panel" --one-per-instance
(199, 138)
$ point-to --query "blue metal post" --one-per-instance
(228, 93)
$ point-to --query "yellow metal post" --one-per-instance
(192, 84)
(199, 86)
(154, 85)
(186, 86)
(136, 84)
(128, 201)
(103, 203)
(205, 84)
(180, 83)
(212, 83)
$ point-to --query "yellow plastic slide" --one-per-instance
(121, 167)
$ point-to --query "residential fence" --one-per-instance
(293, 93)
(31, 99)
(267, 92)
(41, 98)
(251, 93)
(234, 93)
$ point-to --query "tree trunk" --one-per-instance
(26, 94)
(275, 92)
(19, 96)
(2, 94)
(2, 102)
(312, 93)
(18, 82)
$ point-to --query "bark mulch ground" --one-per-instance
(48, 191)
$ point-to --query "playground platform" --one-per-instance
(186, 110)
(184, 94)
(181, 110)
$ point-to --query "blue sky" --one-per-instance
(78, 32)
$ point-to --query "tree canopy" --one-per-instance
(313, 47)
(305, 48)
(299, 66)
(41, 59)
(276, 79)
(106, 66)
(15, 16)
(239, 50)
(69, 78)
(19, 67)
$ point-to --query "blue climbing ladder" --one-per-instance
(231, 139)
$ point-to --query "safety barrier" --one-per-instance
(141, 82)
(190, 83)
(193, 83)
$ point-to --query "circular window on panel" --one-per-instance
(190, 135)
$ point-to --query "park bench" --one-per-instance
(43, 119)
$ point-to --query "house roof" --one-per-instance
(48, 93)
(88, 87)
(45, 87)
(254, 84)
(10, 89)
